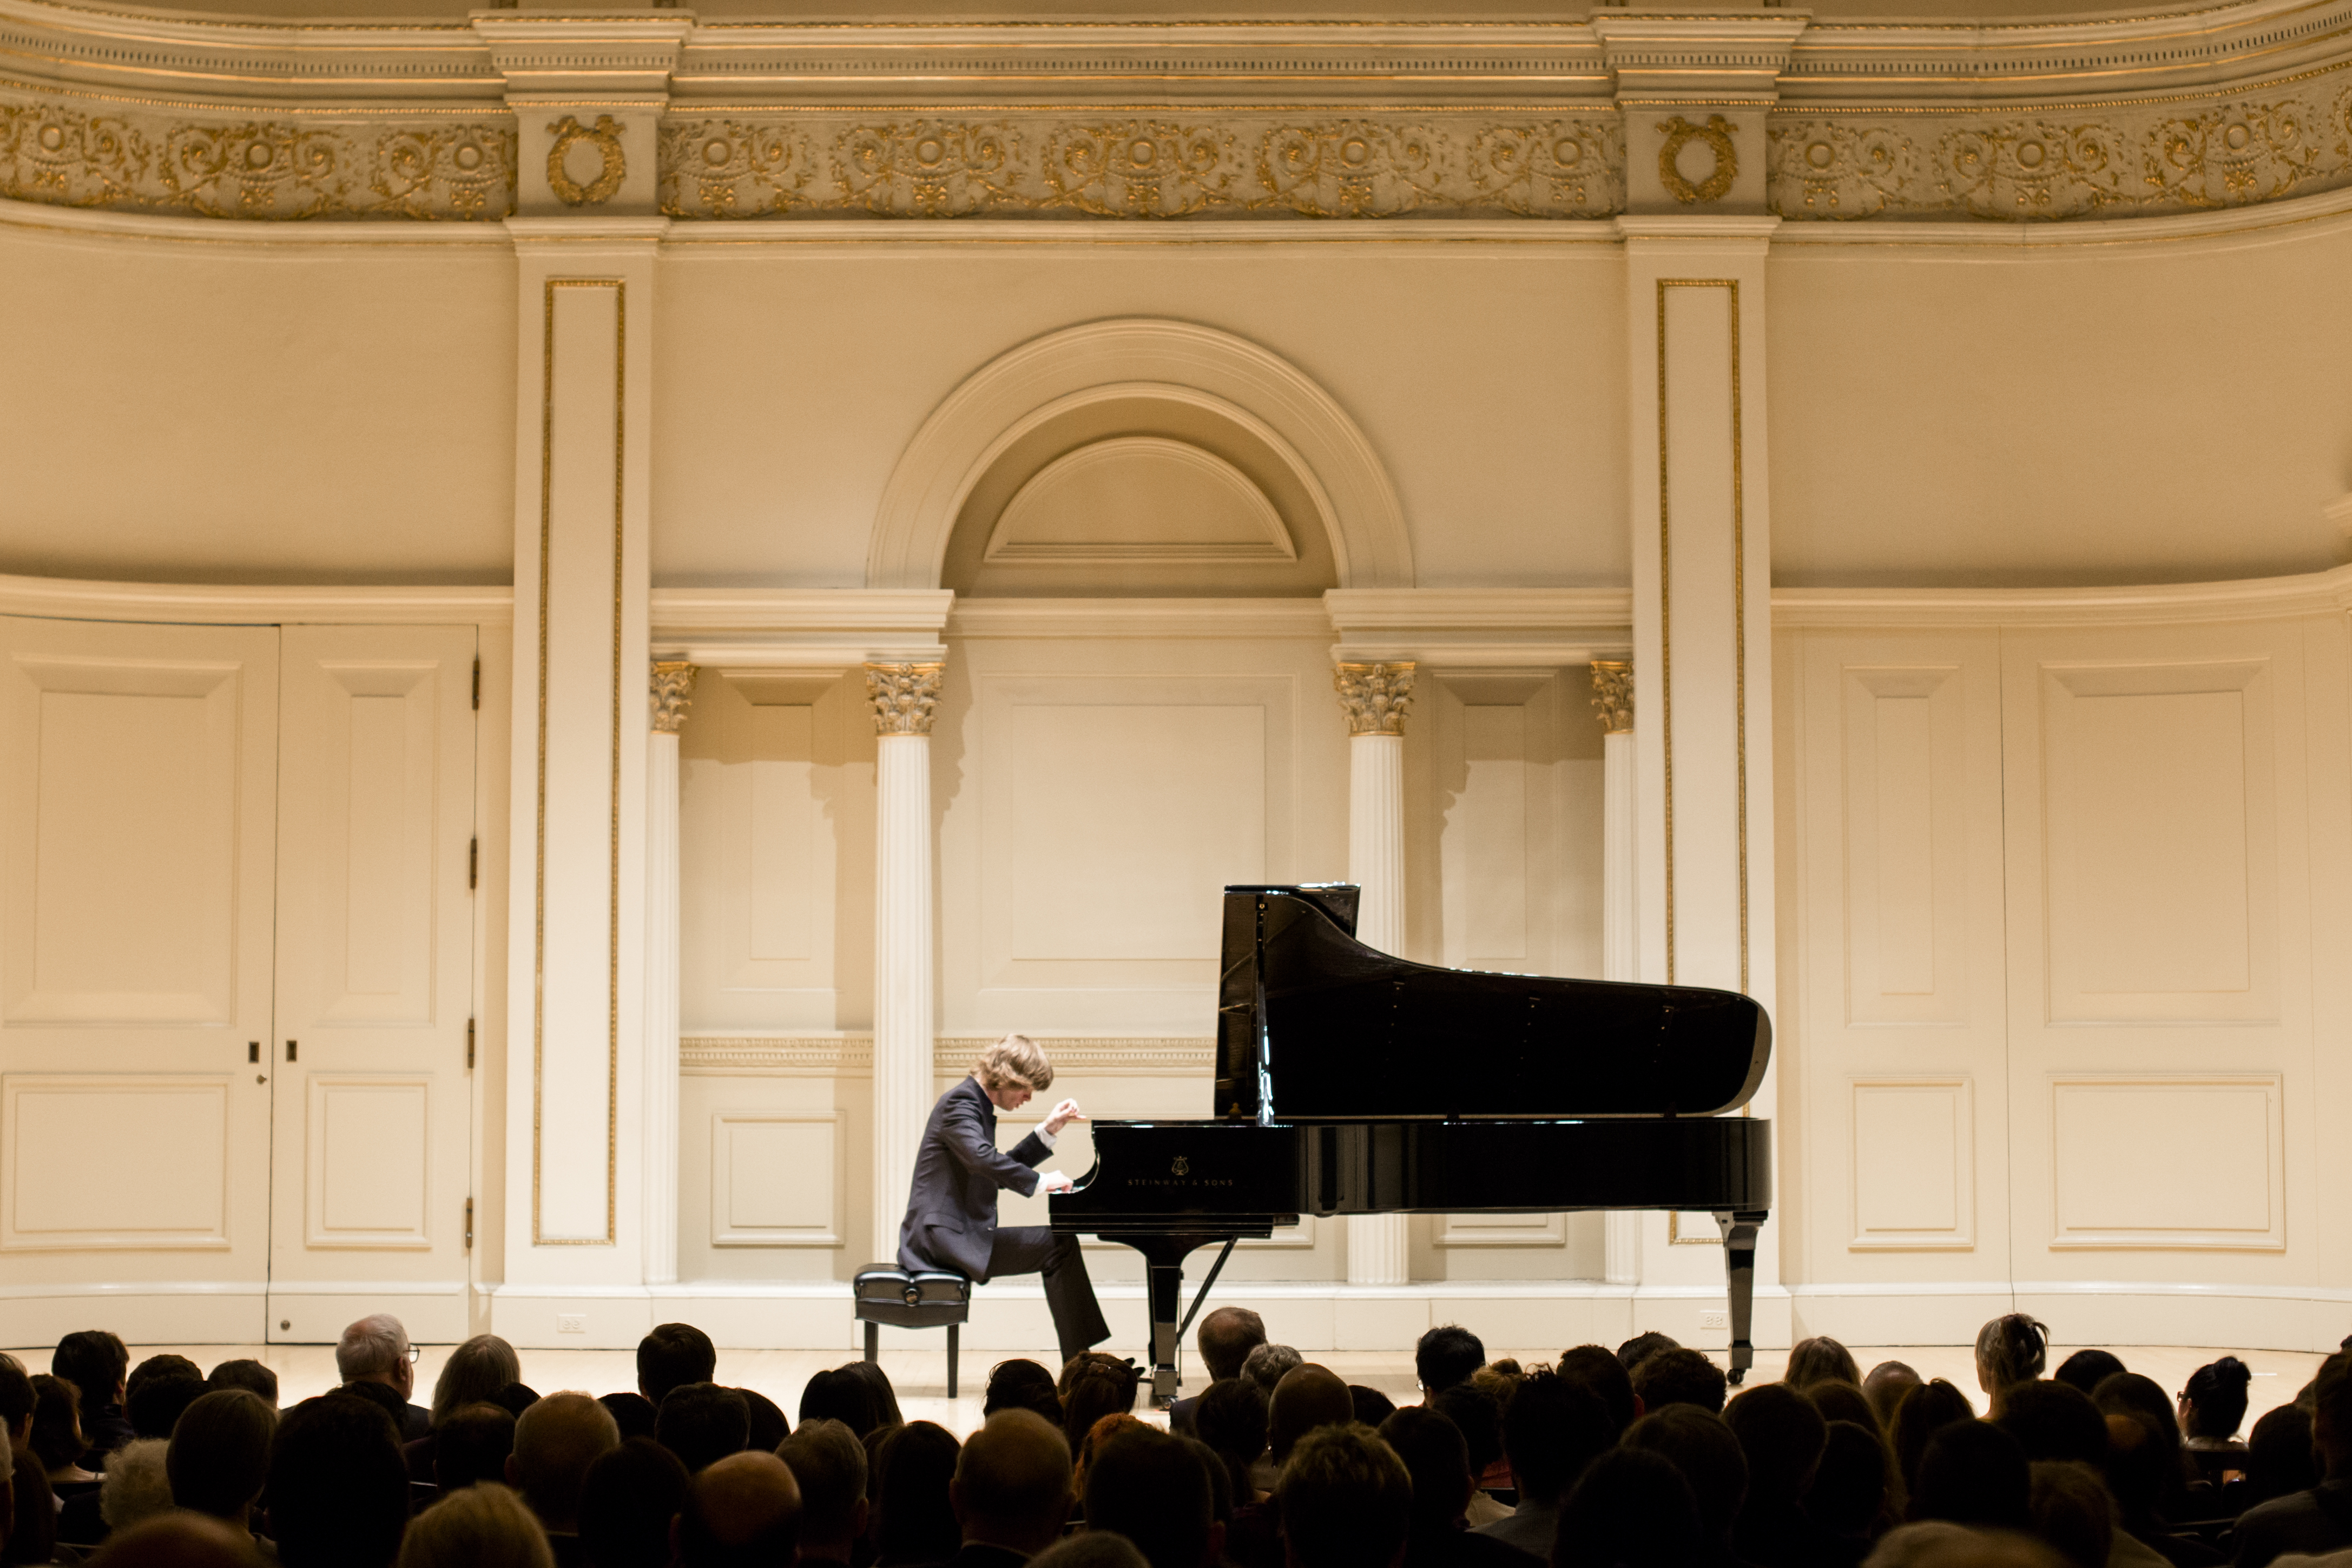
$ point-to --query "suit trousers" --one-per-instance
(1069, 1293)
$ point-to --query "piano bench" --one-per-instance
(916, 1299)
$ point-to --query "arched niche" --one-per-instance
(1238, 406)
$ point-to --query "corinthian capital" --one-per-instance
(1375, 696)
(903, 696)
(672, 690)
(1612, 693)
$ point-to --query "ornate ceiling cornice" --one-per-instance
(2189, 110)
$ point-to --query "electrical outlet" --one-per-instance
(1715, 1320)
(577, 1323)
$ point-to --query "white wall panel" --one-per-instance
(778, 1179)
(1906, 927)
(368, 1161)
(2167, 1159)
(66, 1188)
(1914, 1181)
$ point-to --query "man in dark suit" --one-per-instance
(951, 1222)
(378, 1363)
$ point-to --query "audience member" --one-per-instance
(1438, 1463)
(16, 1402)
(153, 1406)
(250, 1375)
(484, 1526)
(1552, 1430)
(1444, 1356)
(828, 1463)
(1938, 1545)
(2053, 1421)
(2087, 1370)
(2070, 1511)
(1091, 1552)
(1093, 1385)
(1885, 1385)
(556, 1442)
(56, 1438)
(912, 1476)
(1477, 1415)
(1848, 1494)
(1925, 1411)
(2011, 1348)
(1702, 1448)
(1974, 1473)
(32, 1520)
(1631, 1510)
(1102, 1432)
(741, 1512)
(1643, 1346)
(1224, 1338)
(1268, 1364)
(1596, 1367)
(2213, 1405)
(634, 1414)
(1027, 1385)
(1821, 1360)
(376, 1363)
(98, 1364)
(474, 1374)
(2278, 1454)
(627, 1502)
(338, 1485)
(138, 1486)
(1782, 1435)
(1678, 1376)
(218, 1459)
(1345, 1497)
(1221, 1486)
(1307, 1397)
(179, 1540)
(885, 1397)
(2320, 1518)
(1231, 1419)
(835, 1395)
(766, 1424)
(702, 1423)
(1844, 1402)
(515, 1398)
(672, 1355)
(472, 1444)
(2139, 1465)
(1370, 1404)
(1149, 1487)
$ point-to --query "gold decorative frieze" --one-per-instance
(2064, 163)
(1374, 696)
(65, 152)
(852, 1056)
(1144, 166)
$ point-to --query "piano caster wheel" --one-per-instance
(1736, 1376)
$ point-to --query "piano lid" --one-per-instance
(1312, 1024)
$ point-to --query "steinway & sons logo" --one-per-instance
(1181, 1167)
(1179, 1174)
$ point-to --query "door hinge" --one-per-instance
(477, 683)
(470, 1045)
(469, 1224)
(291, 1047)
(473, 864)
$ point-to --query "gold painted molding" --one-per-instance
(852, 1056)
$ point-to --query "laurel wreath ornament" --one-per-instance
(607, 137)
(1680, 134)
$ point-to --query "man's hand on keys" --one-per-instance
(1053, 1182)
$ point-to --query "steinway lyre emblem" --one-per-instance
(1181, 1166)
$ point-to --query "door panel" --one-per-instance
(1903, 1032)
(137, 805)
(374, 978)
(2160, 852)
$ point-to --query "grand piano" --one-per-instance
(1352, 1082)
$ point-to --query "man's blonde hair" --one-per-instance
(1016, 1061)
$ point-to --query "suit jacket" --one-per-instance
(952, 1208)
(414, 1421)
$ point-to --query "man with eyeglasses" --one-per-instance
(377, 1364)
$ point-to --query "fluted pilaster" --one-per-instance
(671, 690)
(904, 697)
(1375, 697)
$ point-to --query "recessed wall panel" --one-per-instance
(71, 1180)
(2168, 1161)
(368, 1161)
(778, 1179)
(1914, 1181)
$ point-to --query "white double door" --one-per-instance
(236, 952)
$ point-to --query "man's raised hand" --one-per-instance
(1062, 1115)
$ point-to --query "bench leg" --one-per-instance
(873, 1342)
(954, 1330)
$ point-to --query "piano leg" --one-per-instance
(1163, 1266)
(1739, 1227)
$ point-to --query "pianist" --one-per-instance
(951, 1222)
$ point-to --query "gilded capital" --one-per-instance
(903, 696)
(1375, 696)
(1613, 694)
(672, 690)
